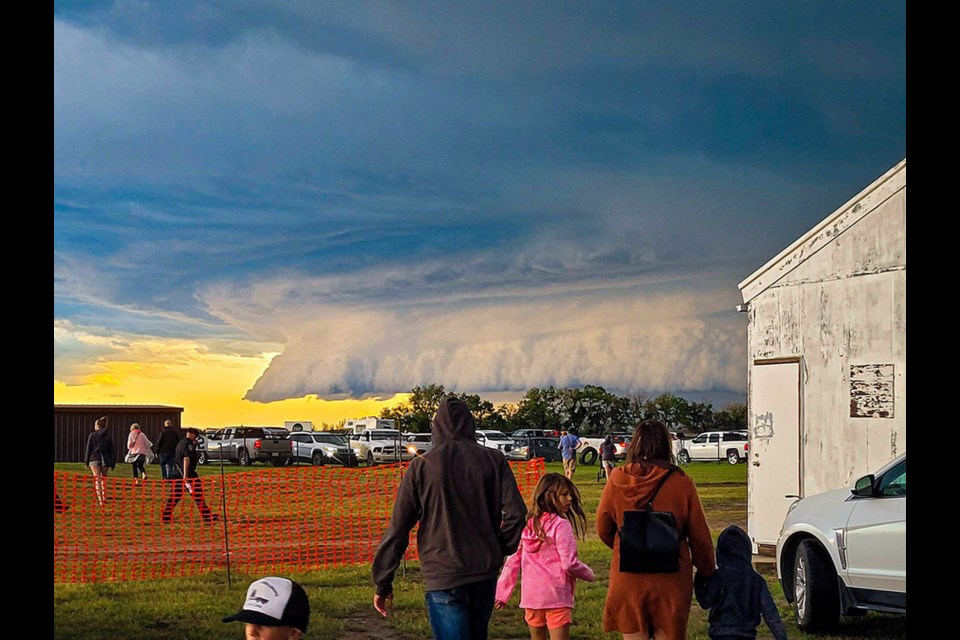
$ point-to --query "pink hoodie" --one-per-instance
(550, 568)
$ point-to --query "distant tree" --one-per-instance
(701, 417)
(591, 410)
(732, 416)
(537, 410)
(400, 414)
(671, 410)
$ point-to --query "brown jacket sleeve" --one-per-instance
(698, 533)
(606, 516)
(393, 545)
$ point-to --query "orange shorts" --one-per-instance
(549, 618)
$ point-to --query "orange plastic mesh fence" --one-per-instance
(284, 519)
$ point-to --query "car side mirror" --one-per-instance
(863, 487)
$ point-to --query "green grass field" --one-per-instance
(340, 598)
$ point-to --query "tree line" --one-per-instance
(588, 410)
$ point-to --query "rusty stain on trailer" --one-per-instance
(871, 391)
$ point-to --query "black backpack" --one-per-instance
(649, 540)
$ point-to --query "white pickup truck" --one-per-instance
(731, 446)
(379, 446)
(589, 450)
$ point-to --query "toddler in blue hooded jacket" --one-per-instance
(736, 595)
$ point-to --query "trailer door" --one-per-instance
(774, 464)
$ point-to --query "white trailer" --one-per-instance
(370, 422)
(298, 425)
(826, 356)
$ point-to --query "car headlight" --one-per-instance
(330, 451)
(412, 449)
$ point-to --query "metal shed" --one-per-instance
(72, 423)
(826, 355)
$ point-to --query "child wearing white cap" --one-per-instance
(275, 609)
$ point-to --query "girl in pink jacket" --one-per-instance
(547, 556)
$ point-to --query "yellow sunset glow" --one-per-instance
(209, 386)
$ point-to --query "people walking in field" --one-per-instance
(608, 455)
(471, 516)
(275, 609)
(99, 456)
(138, 446)
(652, 605)
(569, 443)
(166, 450)
(736, 595)
(186, 467)
(547, 560)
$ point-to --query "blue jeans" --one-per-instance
(461, 613)
(166, 466)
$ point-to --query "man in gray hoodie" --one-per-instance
(471, 516)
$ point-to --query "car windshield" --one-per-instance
(275, 433)
(496, 435)
(384, 435)
(328, 438)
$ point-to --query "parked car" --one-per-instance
(534, 433)
(731, 446)
(590, 447)
(379, 446)
(495, 440)
(542, 447)
(321, 448)
(418, 444)
(246, 445)
(845, 551)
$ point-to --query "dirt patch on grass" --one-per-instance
(370, 625)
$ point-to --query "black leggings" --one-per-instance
(138, 465)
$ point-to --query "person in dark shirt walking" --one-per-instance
(736, 594)
(99, 456)
(471, 516)
(186, 464)
(166, 450)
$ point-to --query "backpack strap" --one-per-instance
(653, 495)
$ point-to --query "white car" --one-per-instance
(418, 444)
(845, 551)
(497, 440)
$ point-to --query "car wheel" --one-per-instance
(317, 459)
(733, 457)
(683, 457)
(816, 596)
(370, 461)
(202, 457)
(243, 458)
(589, 457)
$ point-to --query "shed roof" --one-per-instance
(825, 232)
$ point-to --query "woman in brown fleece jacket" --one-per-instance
(653, 605)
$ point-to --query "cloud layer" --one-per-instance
(392, 194)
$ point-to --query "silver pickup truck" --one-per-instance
(246, 445)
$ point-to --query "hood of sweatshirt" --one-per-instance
(734, 548)
(453, 422)
(529, 539)
(638, 480)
